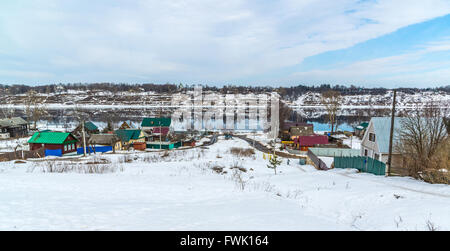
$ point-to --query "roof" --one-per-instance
(128, 134)
(300, 130)
(103, 139)
(15, 121)
(288, 125)
(382, 128)
(90, 126)
(49, 137)
(362, 126)
(164, 130)
(152, 122)
(311, 140)
(125, 125)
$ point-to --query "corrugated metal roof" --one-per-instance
(48, 137)
(152, 122)
(12, 122)
(103, 139)
(311, 140)
(128, 134)
(382, 128)
(90, 126)
(164, 130)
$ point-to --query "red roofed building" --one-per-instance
(304, 142)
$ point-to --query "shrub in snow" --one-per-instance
(273, 163)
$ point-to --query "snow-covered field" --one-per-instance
(149, 191)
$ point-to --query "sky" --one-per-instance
(370, 43)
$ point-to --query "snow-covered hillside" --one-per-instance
(196, 189)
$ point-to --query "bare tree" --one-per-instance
(34, 107)
(8, 111)
(422, 137)
(332, 101)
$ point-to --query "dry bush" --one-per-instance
(435, 176)
(125, 159)
(242, 152)
(424, 144)
(237, 165)
(239, 180)
(218, 169)
(67, 167)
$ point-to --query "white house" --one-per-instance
(375, 143)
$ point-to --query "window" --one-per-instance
(372, 137)
(366, 152)
(377, 156)
(65, 148)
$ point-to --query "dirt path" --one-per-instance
(262, 148)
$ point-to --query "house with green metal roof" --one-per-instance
(89, 129)
(90, 126)
(130, 136)
(63, 141)
(156, 126)
(156, 122)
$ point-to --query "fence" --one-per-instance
(317, 161)
(98, 149)
(40, 153)
(56, 152)
(363, 164)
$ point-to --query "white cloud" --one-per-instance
(401, 70)
(195, 40)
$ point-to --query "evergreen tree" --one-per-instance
(273, 163)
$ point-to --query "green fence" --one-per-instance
(363, 164)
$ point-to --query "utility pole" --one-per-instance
(391, 136)
(160, 134)
(84, 138)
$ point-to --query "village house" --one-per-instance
(111, 140)
(49, 140)
(156, 126)
(375, 143)
(89, 129)
(13, 127)
(128, 137)
(124, 126)
(302, 143)
(291, 129)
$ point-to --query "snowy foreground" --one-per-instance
(148, 191)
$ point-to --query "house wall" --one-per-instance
(17, 131)
(366, 144)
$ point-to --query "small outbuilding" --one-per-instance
(111, 140)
